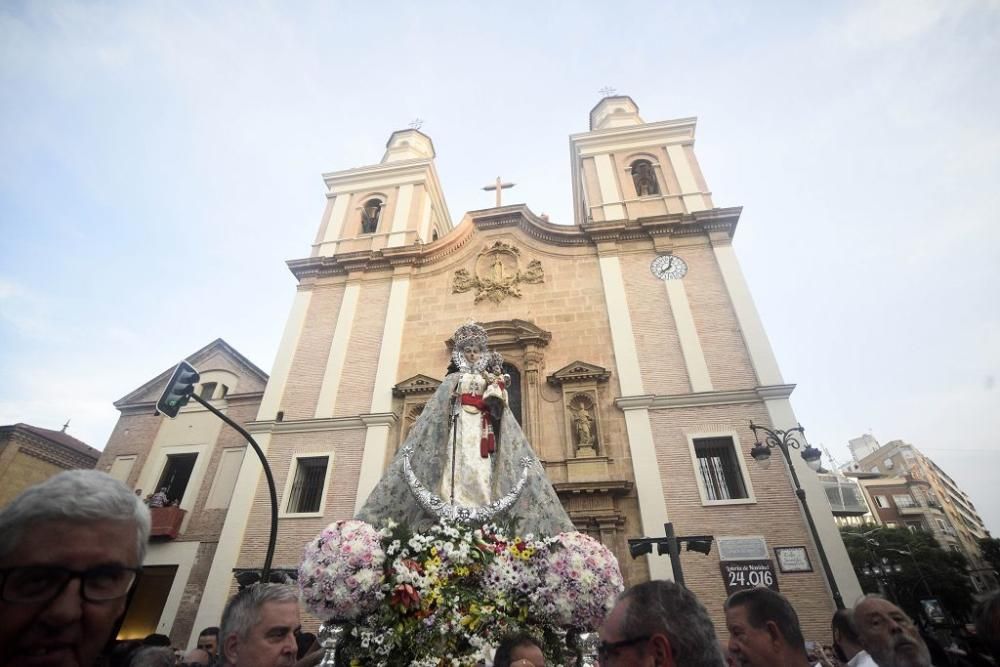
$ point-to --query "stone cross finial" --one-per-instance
(498, 186)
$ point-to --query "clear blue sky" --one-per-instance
(161, 161)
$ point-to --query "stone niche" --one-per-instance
(583, 434)
(414, 391)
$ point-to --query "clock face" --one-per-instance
(669, 267)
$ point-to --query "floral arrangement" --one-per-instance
(341, 574)
(579, 581)
(449, 594)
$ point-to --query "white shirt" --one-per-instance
(861, 659)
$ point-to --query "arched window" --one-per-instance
(370, 216)
(434, 235)
(644, 177)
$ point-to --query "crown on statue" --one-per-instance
(470, 334)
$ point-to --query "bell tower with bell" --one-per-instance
(625, 168)
(394, 203)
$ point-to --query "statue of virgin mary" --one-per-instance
(466, 457)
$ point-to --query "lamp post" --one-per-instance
(785, 440)
(881, 569)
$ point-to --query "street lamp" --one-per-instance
(785, 440)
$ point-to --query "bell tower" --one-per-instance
(394, 203)
(626, 169)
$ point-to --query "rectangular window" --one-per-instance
(904, 500)
(882, 502)
(208, 390)
(307, 485)
(719, 469)
(225, 478)
(176, 475)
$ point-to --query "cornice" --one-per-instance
(701, 399)
(367, 172)
(324, 424)
(614, 487)
(149, 407)
(683, 127)
(518, 216)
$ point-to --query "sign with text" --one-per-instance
(741, 575)
(793, 559)
(742, 547)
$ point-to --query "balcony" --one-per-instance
(845, 497)
(166, 522)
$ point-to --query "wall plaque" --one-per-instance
(742, 547)
(793, 559)
(744, 574)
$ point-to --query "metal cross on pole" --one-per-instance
(416, 123)
(498, 186)
(607, 91)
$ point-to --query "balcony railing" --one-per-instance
(166, 522)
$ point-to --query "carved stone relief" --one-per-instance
(497, 273)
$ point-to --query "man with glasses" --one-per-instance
(658, 623)
(70, 551)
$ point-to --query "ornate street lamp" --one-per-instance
(784, 441)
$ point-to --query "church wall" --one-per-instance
(698, 176)
(354, 396)
(309, 362)
(569, 304)
(661, 361)
(346, 448)
(775, 514)
(718, 330)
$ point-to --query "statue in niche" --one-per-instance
(497, 269)
(583, 424)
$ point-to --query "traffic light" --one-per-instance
(178, 390)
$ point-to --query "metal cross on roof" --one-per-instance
(498, 186)
(607, 91)
(417, 123)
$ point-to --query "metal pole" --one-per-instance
(265, 573)
(801, 494)
(675, 556)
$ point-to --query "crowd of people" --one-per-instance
(72, 547)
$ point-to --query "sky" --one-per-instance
(161, 161)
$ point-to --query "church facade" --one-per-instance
(636, 354)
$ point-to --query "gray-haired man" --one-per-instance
(659, 624)
(889, 635)
(70, 550)
(259, 626)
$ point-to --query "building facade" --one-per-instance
(635, 318)
(195, 458)
(30, 455)
(931, 498)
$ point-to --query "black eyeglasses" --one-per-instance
(43, 583)
(605, 649)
